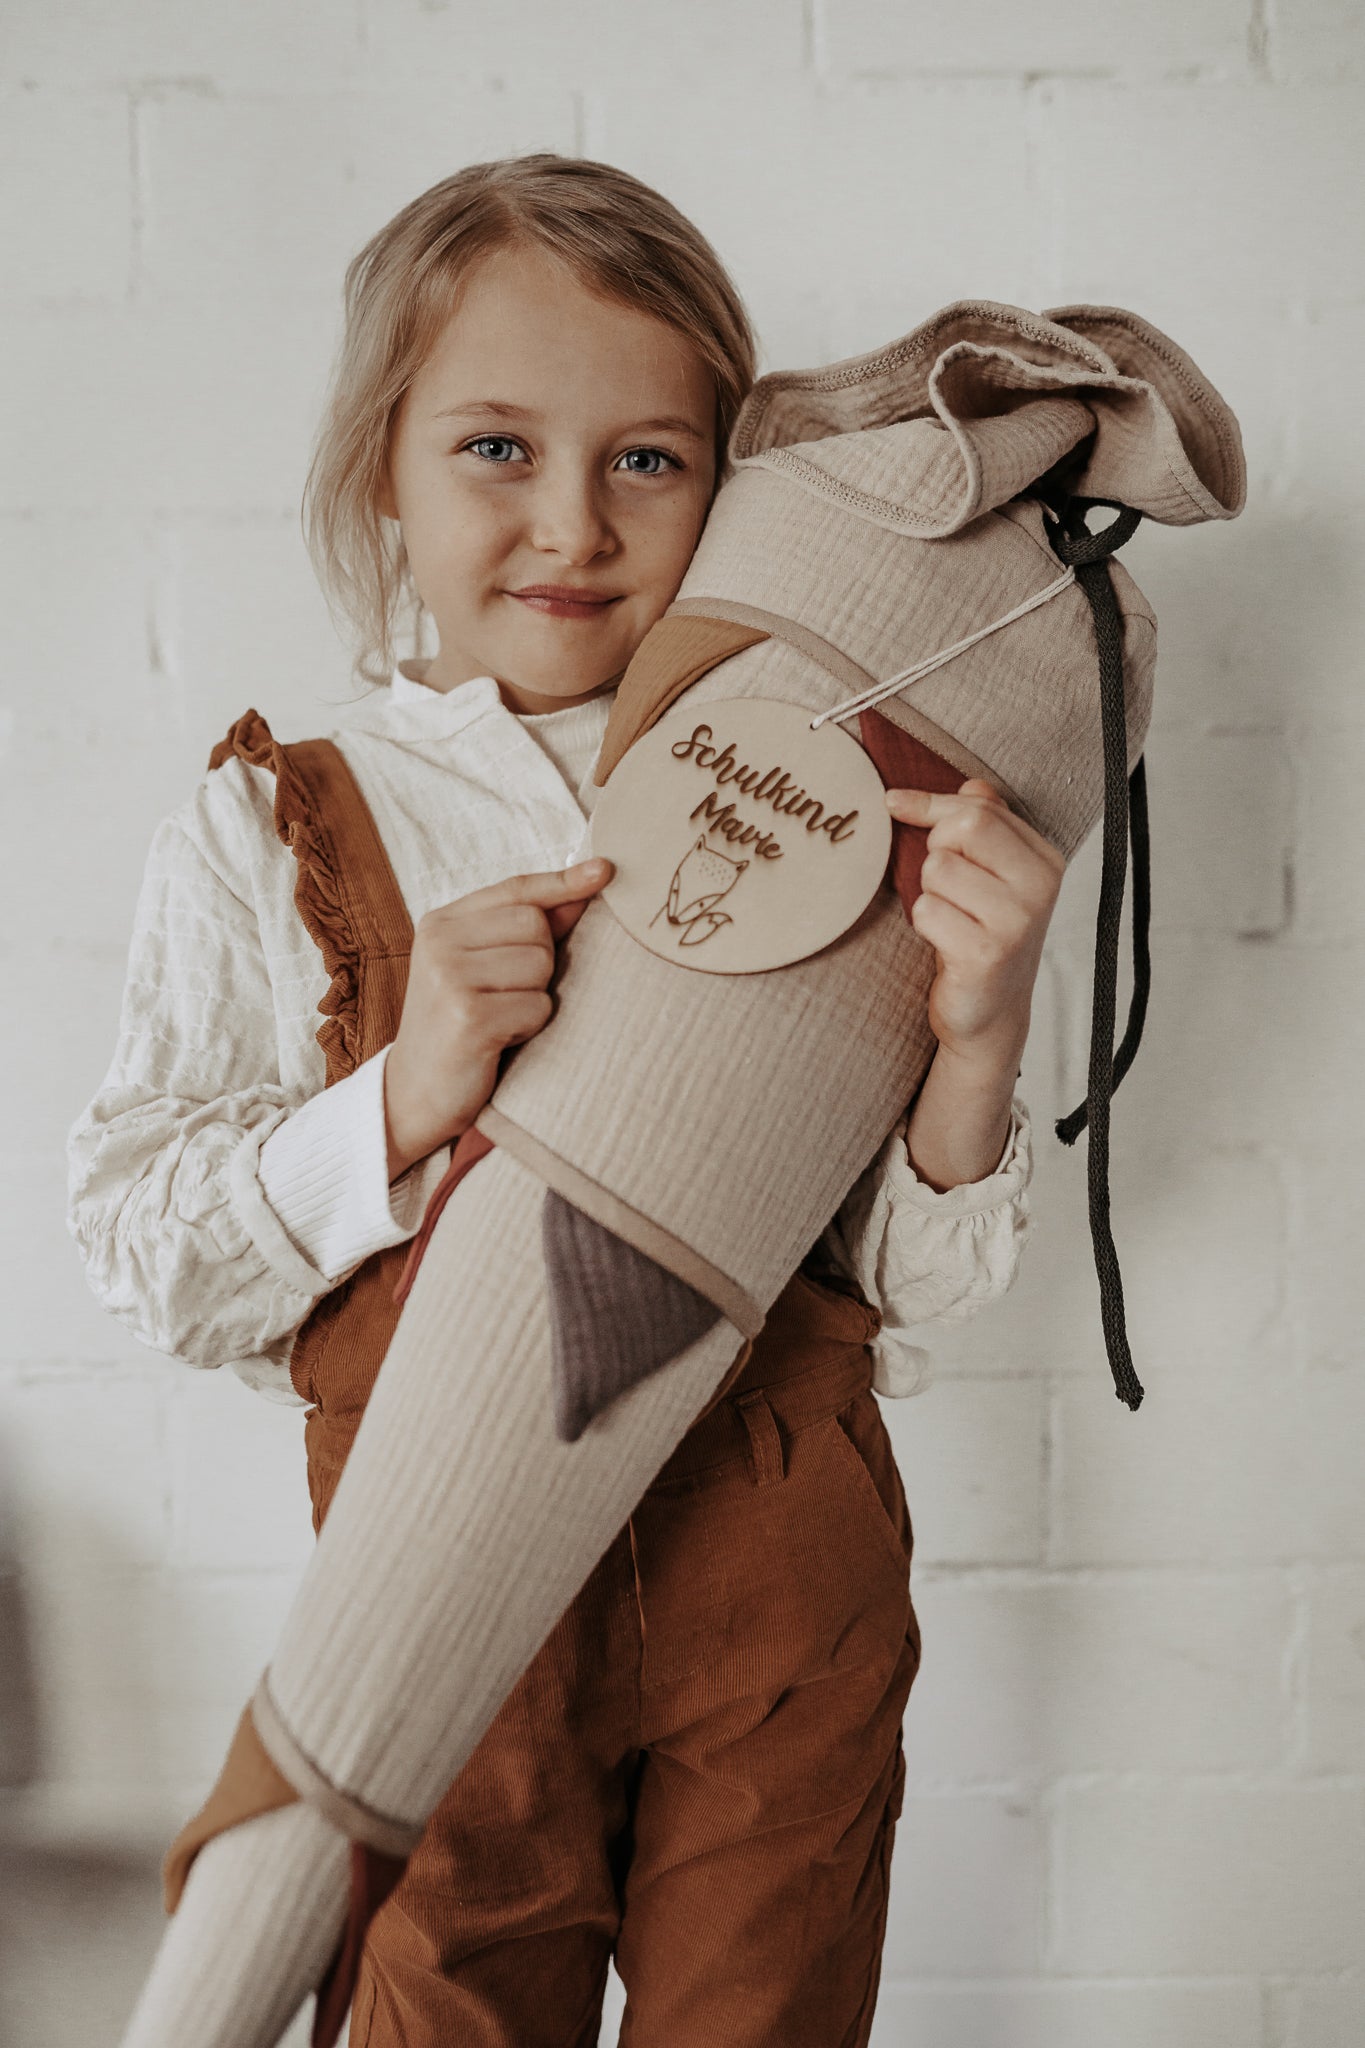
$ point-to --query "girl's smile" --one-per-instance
(562, 601)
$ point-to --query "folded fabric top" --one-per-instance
(981, 401)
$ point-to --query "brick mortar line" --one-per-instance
(1192, 76)
(1048, 1980)
(1194, 1572)
(1047, 1783)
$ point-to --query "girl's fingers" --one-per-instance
(949, 930)
(980, 825)
(551, 885)
(468, 926)
(501, 924)
(927, 806)
(975, 891)
(988, 838)
(516, 909)
(508, 967)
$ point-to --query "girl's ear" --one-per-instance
(385, 502)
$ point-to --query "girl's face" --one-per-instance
(551, 438)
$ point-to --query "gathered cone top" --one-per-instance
(983, 400)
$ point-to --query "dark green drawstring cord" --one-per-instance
(1069, 1128)
(1125, 810)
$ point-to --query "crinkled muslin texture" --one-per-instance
(252, 1936)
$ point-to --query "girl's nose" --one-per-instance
(569, 519)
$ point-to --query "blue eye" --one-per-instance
(663, 456)
(494, 441)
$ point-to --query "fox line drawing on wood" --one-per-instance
(699, 881)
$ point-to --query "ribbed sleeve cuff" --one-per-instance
(325, 1173)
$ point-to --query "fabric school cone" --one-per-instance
(872, 521)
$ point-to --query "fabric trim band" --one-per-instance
(351, 1816)
(814, 646)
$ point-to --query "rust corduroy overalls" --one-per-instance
(701, 1770)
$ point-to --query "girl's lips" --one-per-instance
(564, 607)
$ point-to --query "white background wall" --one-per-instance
(1136, 1803)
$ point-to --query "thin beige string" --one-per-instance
(868, 698)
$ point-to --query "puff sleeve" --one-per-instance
(921, 1255)
(168, 1165)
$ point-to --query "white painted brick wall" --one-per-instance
(1136, 1750)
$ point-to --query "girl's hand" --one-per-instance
(989, 884)
(479, 981)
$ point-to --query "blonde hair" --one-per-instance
(617, 236)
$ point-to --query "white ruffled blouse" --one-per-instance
(217, 1190)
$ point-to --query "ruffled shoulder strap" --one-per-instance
(345, 891)
(250, 739)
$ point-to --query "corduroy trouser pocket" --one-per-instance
(873, 1470)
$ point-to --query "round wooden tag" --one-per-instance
(742, 840)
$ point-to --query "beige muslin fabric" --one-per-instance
(873, 506)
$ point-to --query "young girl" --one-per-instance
(541, 363)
